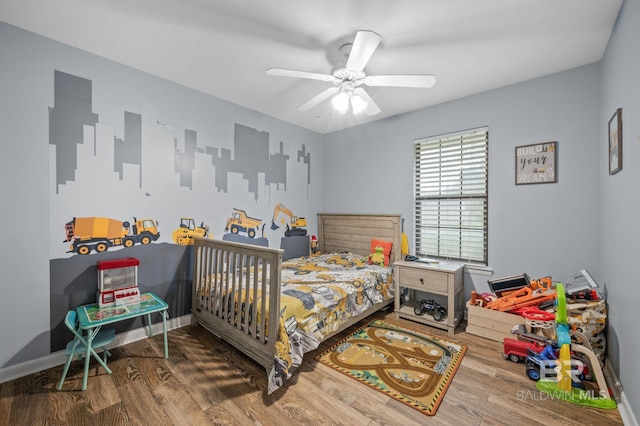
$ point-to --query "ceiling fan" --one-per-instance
(348, 76)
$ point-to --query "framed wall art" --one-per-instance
(537, 163)
(615, 142)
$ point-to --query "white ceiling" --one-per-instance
(223, 47)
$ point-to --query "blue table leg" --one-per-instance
(149, 325)
(165, 315)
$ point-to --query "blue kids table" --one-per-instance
(92, 317)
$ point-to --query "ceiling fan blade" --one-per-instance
(371, 108)
(421, 81)
(318, 98)
(300, 74)
(365, 43)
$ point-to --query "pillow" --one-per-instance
(386, 249)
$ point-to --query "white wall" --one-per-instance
(620, 199)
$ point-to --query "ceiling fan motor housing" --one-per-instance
(340, 70)
(346, 75)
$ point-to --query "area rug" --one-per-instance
(410, 367)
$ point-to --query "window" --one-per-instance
(451, 196)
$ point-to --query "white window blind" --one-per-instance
(451, 196)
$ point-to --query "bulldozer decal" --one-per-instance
(184, 234)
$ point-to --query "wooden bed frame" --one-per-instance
(244, 328)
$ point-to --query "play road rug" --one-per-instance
(413, 368)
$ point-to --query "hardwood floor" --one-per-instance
(207, 382)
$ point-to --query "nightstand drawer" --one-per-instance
(423, 279)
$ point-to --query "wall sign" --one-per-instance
(536, 163)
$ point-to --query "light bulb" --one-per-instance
(358, 104)
(341, 102)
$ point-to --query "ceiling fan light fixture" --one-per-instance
(348, 75)
(358, 104)
(341, 102)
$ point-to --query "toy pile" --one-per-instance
(535, 300)
(556, 342)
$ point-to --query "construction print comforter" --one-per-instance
(318, 295)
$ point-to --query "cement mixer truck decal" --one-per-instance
(101, 233)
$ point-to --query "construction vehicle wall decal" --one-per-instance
(295, 225)
(184, 234)
(100, 233)
(240, 222)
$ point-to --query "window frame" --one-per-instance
(439, 183)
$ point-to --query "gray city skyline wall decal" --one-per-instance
(250, 156)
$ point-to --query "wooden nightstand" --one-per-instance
(444, 278)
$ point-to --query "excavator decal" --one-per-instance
(296, 224)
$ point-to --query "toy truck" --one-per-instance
(431, 307)
(100, 233)
(517, 350)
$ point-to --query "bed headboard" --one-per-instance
(354, 232)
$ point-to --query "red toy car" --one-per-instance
(518, 350)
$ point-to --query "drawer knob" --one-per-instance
(421, 281)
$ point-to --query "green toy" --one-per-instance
(566, 391)
(377, 258)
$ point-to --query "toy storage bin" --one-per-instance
(490, 324)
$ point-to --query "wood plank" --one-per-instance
(209, 382)
(178, 403)
(6, 398)
(30, 401)
(369, 406)
(141, 406)
(303, 410)
(227, 412)
(101, 393)
(114, 415)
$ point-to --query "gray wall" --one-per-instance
(542, 230)
(587, 220)
(24, 254)
(619, 226)
(40, 281)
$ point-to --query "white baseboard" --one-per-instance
(57, 358)
(628, 418)
(624, 408)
